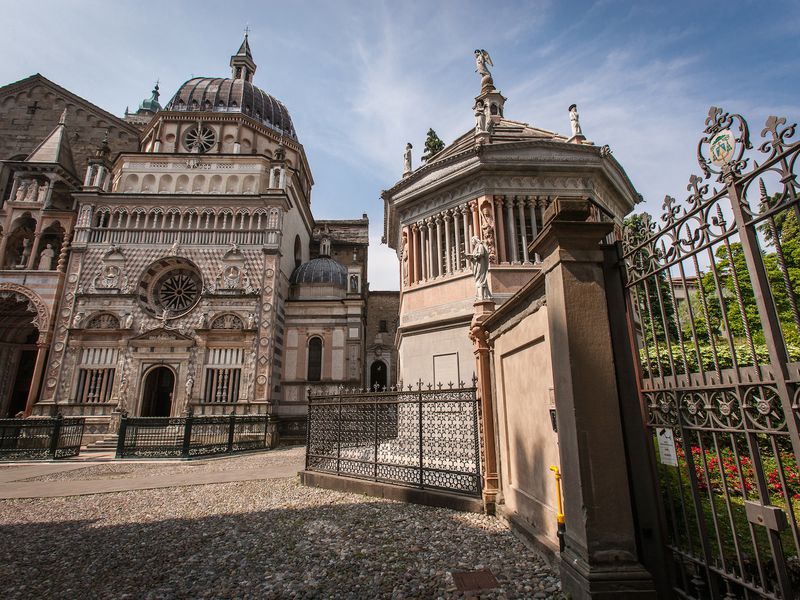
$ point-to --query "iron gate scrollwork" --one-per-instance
(713, 308)
(424, 438)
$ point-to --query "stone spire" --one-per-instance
(55, 148)
(242, 64)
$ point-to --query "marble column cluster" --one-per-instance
(438, 244)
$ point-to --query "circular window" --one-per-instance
(170, 286)
(199, 139)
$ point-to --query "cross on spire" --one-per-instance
(247, 30)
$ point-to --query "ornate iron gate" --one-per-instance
(713, 305)
(423, 438)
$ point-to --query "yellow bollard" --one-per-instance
(560, 514)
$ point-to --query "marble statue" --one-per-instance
(127, 321)
(407, 159)
(487, 230)
(480, 269)
(22, 189)
(26, 253)
(481, 59)
(32, 193)
(76, 322)
(164, 318)
(203, 324)
(574, 120)
(251, 321)
(189, 386)
(42, 194)
(480, 118)
(46, 258)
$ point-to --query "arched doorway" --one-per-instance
(159, 388)
(378, 375)
(18, 352)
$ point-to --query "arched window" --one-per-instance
(298, 252)
(314, 359)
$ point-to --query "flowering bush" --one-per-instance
(710, 474)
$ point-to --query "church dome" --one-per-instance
(209, 94)
(320, 270)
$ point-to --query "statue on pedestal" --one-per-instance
(407, 159)
(574, 120)
(481, 59)
(480, 117)
(26, 253)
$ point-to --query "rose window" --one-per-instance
(171, 285)
(178, 290)
(199, 139)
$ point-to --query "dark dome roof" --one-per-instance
(209, 94)
(320, 270)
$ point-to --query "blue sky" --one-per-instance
(361, 79)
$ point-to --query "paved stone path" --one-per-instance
(239, 527)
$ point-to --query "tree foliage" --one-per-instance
(433, 145)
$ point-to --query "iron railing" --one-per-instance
(40, 438)
(423, 438)
(714, 312)
(190, 436)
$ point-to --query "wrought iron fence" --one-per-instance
(424, 438)
(714, 312)
(40, 438)
(190, 436)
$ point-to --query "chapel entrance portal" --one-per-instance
(377, 375)
(159, 388)
(18, 354)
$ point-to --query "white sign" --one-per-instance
(666, 446)
(721, 146)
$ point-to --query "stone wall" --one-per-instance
(31, 108)
(382, 306)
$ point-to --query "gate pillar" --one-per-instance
(600, 559)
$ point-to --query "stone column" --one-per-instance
(532, 209)
(483, 369)
(439, 262)
(513, 254)
(415, 245)
(423, 253)
(600, 558)
(465, 216)
(429, 250)
(520, 203)
(476, 223)
(448, 259)
(456, 227)
(502, 255)
(36, 380)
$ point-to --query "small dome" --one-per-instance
(208, 94)
(320, 270)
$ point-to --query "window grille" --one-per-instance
(96, 375)
(223, 375)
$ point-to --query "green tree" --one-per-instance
(433, 145)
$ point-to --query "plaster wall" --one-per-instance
(527, 444)
(435, 356)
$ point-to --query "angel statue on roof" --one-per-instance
(482, 58)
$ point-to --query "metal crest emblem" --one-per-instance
(721, 147)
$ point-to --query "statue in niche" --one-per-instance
(42, 194)
(22, 189)
(251, 321)
(487, 229)
(46, 258)
(480, 117)
(27, 247)
(407, 159)
(127, 321)
(76, 322)
(480, 269)
(32, 193)
(165, 319)
(482, 58)
(574, 120)
(203, 324)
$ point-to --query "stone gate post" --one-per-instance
(600, 559)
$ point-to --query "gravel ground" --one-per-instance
(130, 469)
(256, 539)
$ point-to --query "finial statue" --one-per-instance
(480, 269)
(574, 120)
(481, 59)
(407, 160)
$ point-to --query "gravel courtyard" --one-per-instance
(270, 538)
